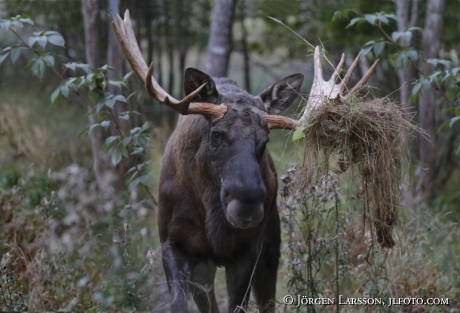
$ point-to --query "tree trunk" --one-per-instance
(426, 172)
(183, 22)
(114, 59)
(244, 43)
(104, 171)
(407, 76)
(220, 38)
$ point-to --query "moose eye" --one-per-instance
(215, 135)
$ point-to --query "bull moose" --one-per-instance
(218, 183)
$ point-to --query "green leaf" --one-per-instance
(105, 124)
(55, 96)
(3, 56)
(71, 66)
(38, 68)
(17, 24)
(299, 133)
(406, 36)
(5, 24)
(141, 141)
(453, 91)
(116, 156)
(402, 61)
(66, 85)
(134, 183)
(444, 125)
(391, 16)
(138, 151)
(83, 132)
(128, 75)
(124, 152)
(382, 18)
(26, 19)
(126, 141)
(371, 18)
(56, 40)
(120, 98)
(109, 143)
(84, 67)
(146, 204)
(49, 60)
(32, 40)
(433, 77)
(145, 180)
(41, 40)
(454, 120)
(365, 50)
(378, 48)
(455, 71)
(119, 84)
(15, 53)
(426, 83)
(413, 29)
(356, 20)
(92, 127)
(135, 93)
(337, 15)
(412, 54)
(96, 95)
(124, 117)
(415, 91)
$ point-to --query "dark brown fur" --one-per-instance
(215, 179)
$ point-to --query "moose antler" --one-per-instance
(322, 90)
(125, 35)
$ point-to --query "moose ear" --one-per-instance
(193, 79)
(281, 94)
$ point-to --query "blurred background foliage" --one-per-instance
(78, 248)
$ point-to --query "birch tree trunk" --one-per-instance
(426, 172)
(220, 38)
(408, 75)
(114, 59)
(104, 170)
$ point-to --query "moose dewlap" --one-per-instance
(367, 135)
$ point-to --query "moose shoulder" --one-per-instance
(218, 184)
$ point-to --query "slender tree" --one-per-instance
(220, 38)
(101, 163)
(427, 102)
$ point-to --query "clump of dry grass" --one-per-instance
(367, 136)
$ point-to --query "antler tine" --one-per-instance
(131, 50)
(347, 76)
(321, 91)
(318, 69)
(180, 106)
(363, 80)
(125, 35)
(337, 69)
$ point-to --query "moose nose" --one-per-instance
(244, 215)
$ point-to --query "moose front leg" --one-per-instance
(177, 269)
(238, 274)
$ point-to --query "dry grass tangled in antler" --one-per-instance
(367, 135)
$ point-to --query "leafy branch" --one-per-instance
(400, 60)
(91, 89)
